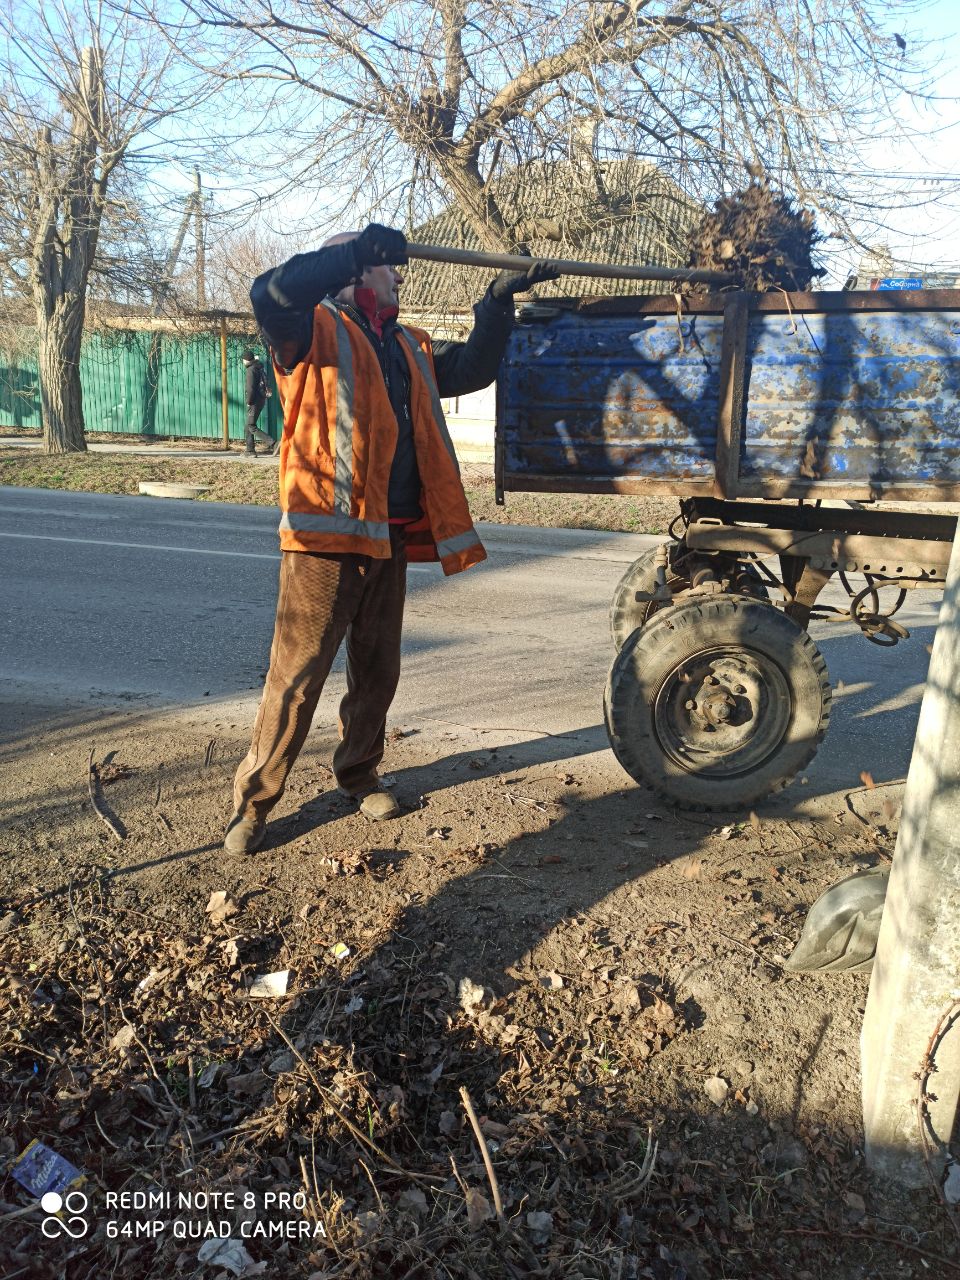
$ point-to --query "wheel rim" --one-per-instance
(723, 711)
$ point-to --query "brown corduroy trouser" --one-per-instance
(324, 599)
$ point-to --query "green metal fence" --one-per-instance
(147, 382)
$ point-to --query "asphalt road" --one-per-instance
(167, 603)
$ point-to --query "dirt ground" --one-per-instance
(598, 977)
(601, 976)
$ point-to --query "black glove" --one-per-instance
(377, 246)
(510, 281)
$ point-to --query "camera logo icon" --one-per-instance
(75, 1204)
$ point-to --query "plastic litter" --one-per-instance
(842, 927)
(226, 1253)
(269, 986)
(40, 1169)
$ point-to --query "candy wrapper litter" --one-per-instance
(40, 1169)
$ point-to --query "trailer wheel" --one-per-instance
(627, 612)
(718, 702)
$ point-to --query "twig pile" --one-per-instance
(427, 1128)
(762, 237)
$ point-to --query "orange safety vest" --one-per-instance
(339, 438)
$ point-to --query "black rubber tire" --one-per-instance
(660, 746)
(627, 613)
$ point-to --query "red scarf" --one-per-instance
(366, 301)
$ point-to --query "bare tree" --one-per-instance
(418, 102)
(83, 90)
(236, 258)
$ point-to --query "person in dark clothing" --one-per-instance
(368, 480)
(257, 393)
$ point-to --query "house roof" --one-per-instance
(617, 211)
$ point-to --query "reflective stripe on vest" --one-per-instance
(423, 364)
(343, 430)
(315, 522)
(450, 546)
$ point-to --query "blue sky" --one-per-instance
(931, 236)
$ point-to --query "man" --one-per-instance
(368, 477)
(256, 394)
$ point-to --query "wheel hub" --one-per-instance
(723, 712)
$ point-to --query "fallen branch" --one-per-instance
(484, 1151)
(92, 775)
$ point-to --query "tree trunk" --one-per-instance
(61, 398)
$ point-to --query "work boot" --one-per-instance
(380, 805)
(244, 835)
(377, 805)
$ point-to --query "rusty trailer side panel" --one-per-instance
(829, 395)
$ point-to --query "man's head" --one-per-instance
(385, 281)
(248, 357)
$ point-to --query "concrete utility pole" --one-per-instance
(916, 975)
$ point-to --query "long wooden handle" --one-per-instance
(565, 266)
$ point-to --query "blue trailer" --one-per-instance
(786, 424)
